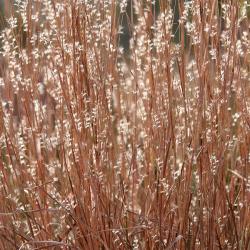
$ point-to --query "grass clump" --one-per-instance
(142, 148)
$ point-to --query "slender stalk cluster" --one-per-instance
(108, 147)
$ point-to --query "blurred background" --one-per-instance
(6, 8)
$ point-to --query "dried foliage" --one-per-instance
(103, 148)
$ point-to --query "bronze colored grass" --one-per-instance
(142, 148)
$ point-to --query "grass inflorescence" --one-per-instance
(125, 125)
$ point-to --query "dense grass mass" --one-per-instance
(145, 147)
